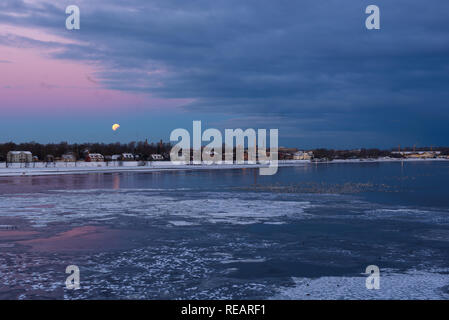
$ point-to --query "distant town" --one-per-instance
(144, 151)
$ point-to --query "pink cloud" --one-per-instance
(34, 82)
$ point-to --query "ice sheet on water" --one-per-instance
(194, 207)
(199, 207)
(413, 284)
(410, 214)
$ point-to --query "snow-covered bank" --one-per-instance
(81, 167)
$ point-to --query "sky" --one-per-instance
(309, 68)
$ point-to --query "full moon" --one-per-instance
(115, 126)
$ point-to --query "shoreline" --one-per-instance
(61, 168)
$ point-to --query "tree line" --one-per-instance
(370, 153)
(141, 148)
(145, 150)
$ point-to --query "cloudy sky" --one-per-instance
(309, 68)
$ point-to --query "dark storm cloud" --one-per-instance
(312, 63)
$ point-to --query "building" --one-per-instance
(94, 157)
(302, 155)
(123, 157)
(127, 157)
(286, 153)
(19, 156)
(417, 154)
(157, 157)
(68, 157)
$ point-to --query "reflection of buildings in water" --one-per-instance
(116, 181)
(75, 239)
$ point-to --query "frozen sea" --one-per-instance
(305, 233)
